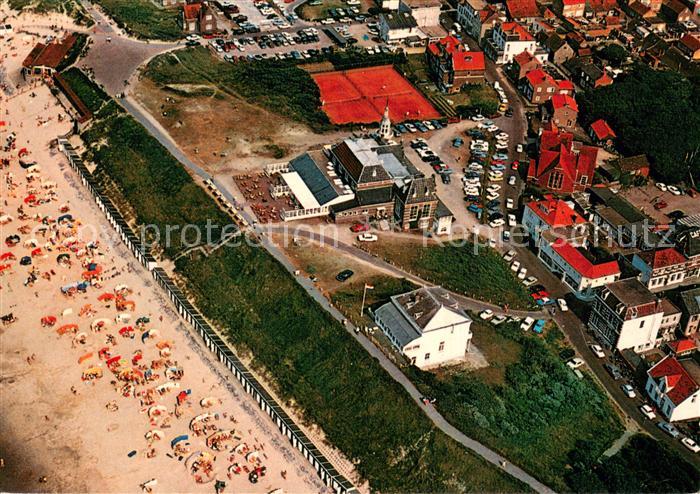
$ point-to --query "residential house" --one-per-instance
(654, 5)
(660, 269)
(561, 110)
(690, 320)
(425, 12)
(684, 347)
(570, 8)
(626, 315)
(427, 326)
(637, 166)
(477, 17)
(522, 10)
(592, 77)
(693, 5)
(522, 64)
(554, 215)
(558, 50)
(601, 134)
(672, 384)
(395, 27)
(198, 18)
(675, 11)
(416, 203)
(538, 86)
(601, 8)
(44, 58)
(669, 322)
(507, 40)
(452, 65)
(443, 219)
(689, 46)
(616, 216)
(563, 165)
(688, 242)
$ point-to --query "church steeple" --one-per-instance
(385, 131)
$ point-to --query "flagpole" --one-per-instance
(364, 293)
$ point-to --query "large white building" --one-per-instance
(398, 26)
(426, 325)
(425, 12)
(626, 315)
(509, 39)
(673, 386)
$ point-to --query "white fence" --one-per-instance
(328, 474)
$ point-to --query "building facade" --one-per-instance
(452, 65)
(672, 384)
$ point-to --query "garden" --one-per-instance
(143, 19)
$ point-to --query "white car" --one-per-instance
(574, 363)
(522, 274)
(492, 128)
(429, 125)
(492, 243)
(691, 445)
(478, 118)
(515, 266)
(497, 223)
(501, 135)
(527, 323)
(475, 167)
(598, 351)
(509, 203)
(674, 190)
(648, 412)
(509, 256)
(529, 281)
(511, 220)
(498, 320)
(492, 196)
(628, 390)
(661, 186)
(562, 305)
(494, 188)
(519, 148)
(411, 128)
(486, 314)
(367, 237)
(511, 180)
(495, 177)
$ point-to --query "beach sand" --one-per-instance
(59, 432)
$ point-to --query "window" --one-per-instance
(550, 89)
(427, 356)
(413, 360)
(426, 210)
(539, 89)
(584, 178)
(555, 180)
(413, 213)
(441, 347)
(641, 324)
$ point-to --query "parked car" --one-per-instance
(477, 118)
(509, 203)
(506, 236)
(367, 237)
(497, 223)
(574, 363)
(628, 389)
(648, 412)
(669, 429)
(522, 274)
(529, 281)
(519, 148)
(511, 180)
(661, 186)
(515, 266)
(674, 190)
(359, 227)
(498, 320)
(527, 323)
(486, 314)
(614, 371)
(344, 275)
(598, 351)
(690, 444)
(511, 219)
(562, 305)
(509, 256)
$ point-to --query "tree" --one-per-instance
(615, 54)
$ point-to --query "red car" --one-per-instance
(359, 227)
(540, 294)
(514, 165)
(660, 205)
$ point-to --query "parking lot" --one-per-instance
(661, 205)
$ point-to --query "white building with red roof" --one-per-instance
(555, 215)
(661, 269)
(672, 384)
(453, 65)
(508, 39)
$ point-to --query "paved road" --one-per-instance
(489, 455)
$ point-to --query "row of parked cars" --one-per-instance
(417, 126)
(428, 156)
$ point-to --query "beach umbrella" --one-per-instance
(66, 328)
(48, 321)
(85, 357)
(106, 297)
(25, 261)
(183, 437)
(7, 256)
(12, 240)
(113, 360)
(144, 336)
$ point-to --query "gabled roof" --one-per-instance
(419, 189)
(462, 58)
(602, 130)
(564, 101)
(682, 346)
(51, 54)
(662, 258)
(565, 85)
(691, 41)
(680, 385)
(524, 58)
(191, 11)
(513, 28)
(676, 6)
(555, 212)
(691, 301)
(538, 76)
(488, 13)
(519, 9)
(581, 264)
(602, 5)
(559, 150)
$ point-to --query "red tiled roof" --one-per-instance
(691, 41)
(662, 258)
(574, 2)
(581, 264)
(49, 55)
(519, 9)
(559, 151)
(564, 100)
(602, 5)
(565, 85)
(191, 11)
(538, 76)
(462, 59)
(682, 346)
(515, 28)
(555, 212)
(680, 385)
(487, 13)
(602, 130)
(523, 58)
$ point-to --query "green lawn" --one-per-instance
(527, 404)
(316, 364)
(482, 274)
(71, 8)
(91, 95)
(278, 86)
(143, 19)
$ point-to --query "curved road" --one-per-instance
(489, 455)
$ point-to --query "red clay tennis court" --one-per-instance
(360, 95)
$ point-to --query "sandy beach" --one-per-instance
(91, 399)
